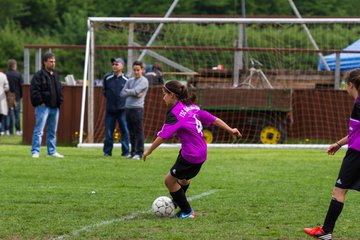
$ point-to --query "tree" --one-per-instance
(12, 10)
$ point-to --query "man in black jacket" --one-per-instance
(15, 82)
(46, 96)
(115, 108)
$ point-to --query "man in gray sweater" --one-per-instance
(135, 91)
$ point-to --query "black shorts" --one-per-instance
(182, 169)
(349, 174)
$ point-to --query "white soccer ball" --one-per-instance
(163, 206)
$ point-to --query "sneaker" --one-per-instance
(35, 155)
(56, 155)
(318, 233)
(129, 156)
(2, 133)
(7, 132)
(183, 215)
(19, 133)
(107, 155)
(136, 157)
(126, 155)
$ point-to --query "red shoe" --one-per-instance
(318, 233)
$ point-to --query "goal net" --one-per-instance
(279, 81)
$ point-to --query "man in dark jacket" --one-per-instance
(115, 108)
(46, 96)
(15, 82)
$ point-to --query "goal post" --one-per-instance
(282, 98)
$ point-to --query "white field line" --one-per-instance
(89, 228)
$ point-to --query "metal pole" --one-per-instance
(309, 35)
(26, 65)
(238, 64)
(244, 37)
(130, 57)
(337, 71)
(90, 138)
(157, 31)
(38, 62)
(239, 55)
(85, 79)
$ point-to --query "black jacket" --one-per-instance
(43, 91)
(15, 82)
(112, 86)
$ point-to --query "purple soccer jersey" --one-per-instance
(187, 122)
(354, 127)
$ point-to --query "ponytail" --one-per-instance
(181, 92)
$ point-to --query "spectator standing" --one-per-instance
(115, 108)
(46, 96)
(15, 95)
(155, 75)
(135, 91)
(4, 86)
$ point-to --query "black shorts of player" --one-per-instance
(349, 174)
(182, 169)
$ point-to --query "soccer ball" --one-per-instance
(163, 206)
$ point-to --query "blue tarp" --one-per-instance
(348, 61)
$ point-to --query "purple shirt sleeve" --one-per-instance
(168, 130)
(206, 118)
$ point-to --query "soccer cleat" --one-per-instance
(56, 155)
(183, 215)
(318, 233)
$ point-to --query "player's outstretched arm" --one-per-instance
(221, 124)
(158, 141)
(333, 148)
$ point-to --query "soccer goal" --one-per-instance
(277, 80)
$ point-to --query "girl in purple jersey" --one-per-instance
(349, 174)
(186, 120)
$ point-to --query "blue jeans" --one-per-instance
(5, 122)
(110, 122)
(45, 116)
(14, 114)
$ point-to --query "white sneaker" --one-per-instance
(136, 157)
(19, 133)
(35, 155)
(57, 155)
(2, 133)
(7, 132)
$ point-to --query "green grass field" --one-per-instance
(239, 194)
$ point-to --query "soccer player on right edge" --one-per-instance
(185, 119)
(349, 174)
